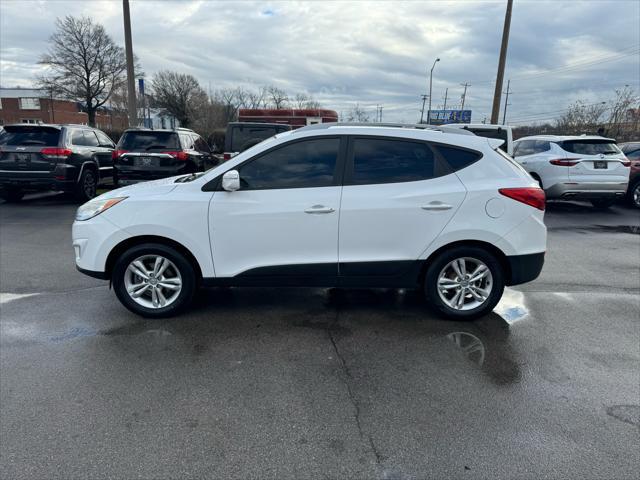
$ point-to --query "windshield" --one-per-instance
(591, 147)
(29, 135)
(145, 141)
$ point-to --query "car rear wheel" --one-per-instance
(464, 283)
(154, 280)
(12, 194)
(87, 185)
(603, 202)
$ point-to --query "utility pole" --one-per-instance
(380, 113)
(464, 94)
(131, 80)
(495, 112)
(424, 99)
(446, 92)
(431, 90)
(506, 102)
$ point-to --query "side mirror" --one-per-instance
(231, 181)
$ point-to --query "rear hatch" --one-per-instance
(29, 149)
(596, 160)
(149, 150)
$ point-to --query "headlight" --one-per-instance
(96, 207)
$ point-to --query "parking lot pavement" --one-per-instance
(306, 383)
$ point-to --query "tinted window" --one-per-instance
(630, 147)
(242, 137)
(458, 158)
(390, 161)
(26, 135)
(591, 147)
(201, 145)
(90, 138)
(541, 146)
(104, 140)
(77, 138)
(499, 133)
(310, 163)
(525, 147)
(145, 141)
(633, 154)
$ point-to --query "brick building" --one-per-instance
(30, 105)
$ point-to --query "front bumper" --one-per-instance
(524, 268)
(92, 241)
(582, 190)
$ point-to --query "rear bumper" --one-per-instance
(33, 182)
(131, 175)
(586, 190)
(524, 268)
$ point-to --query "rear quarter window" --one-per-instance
(30, 136)
(458, 158)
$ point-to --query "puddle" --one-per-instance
(470, 345)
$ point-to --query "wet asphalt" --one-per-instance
(321, 383)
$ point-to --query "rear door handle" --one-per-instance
(316, 209)
(437, 206)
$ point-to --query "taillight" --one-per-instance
(226, 156)
(564, 162)
(532, 196)
(183, 156)
(53, 152)
(626, 162)
(116, 153)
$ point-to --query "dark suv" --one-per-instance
(244, 135)
(143, 154)
(71, 158)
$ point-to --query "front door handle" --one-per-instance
(319, 209)
(437, 206)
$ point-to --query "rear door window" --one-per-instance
(90, 138)
(377, 161)
(591, 147)
(525, 147)
(148, 141)
(19, 135)
(78, 138)
(104, 140)
(187, 141)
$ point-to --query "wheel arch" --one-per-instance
(125, 245)
(495, 251)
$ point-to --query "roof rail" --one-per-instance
(417, 126)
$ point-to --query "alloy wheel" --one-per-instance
(636, 195)
(465, 283)
(153, 281)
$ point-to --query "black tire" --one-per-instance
(11, 195)
(439, 263)
(87, 185)
(186, 270)
(633, 195)
(603, 203)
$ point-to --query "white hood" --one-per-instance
(154, 187)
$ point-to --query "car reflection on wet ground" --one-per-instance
(306, 383)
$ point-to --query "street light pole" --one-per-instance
(430, 91)
(131, 80)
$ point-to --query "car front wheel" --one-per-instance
(634, 194)
(464, 283)
(154, 280)
(87, 185)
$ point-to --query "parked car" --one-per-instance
(582, 167)
(326, 205)
(244, 135)
(632, 152)
(69, 158)
(143, 154)
(502, 132)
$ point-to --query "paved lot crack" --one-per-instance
(346, 379)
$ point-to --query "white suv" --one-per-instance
(575, 167)
(327, 205)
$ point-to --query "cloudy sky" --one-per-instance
(369, 53)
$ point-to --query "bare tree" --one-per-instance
(357, 114)
(305, 101)
(278, 97)
(179, 94)
(620, 108)
(85, 64)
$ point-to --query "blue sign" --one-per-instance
(141, 86)
(441, 117)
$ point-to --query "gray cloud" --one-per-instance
(366, 52)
